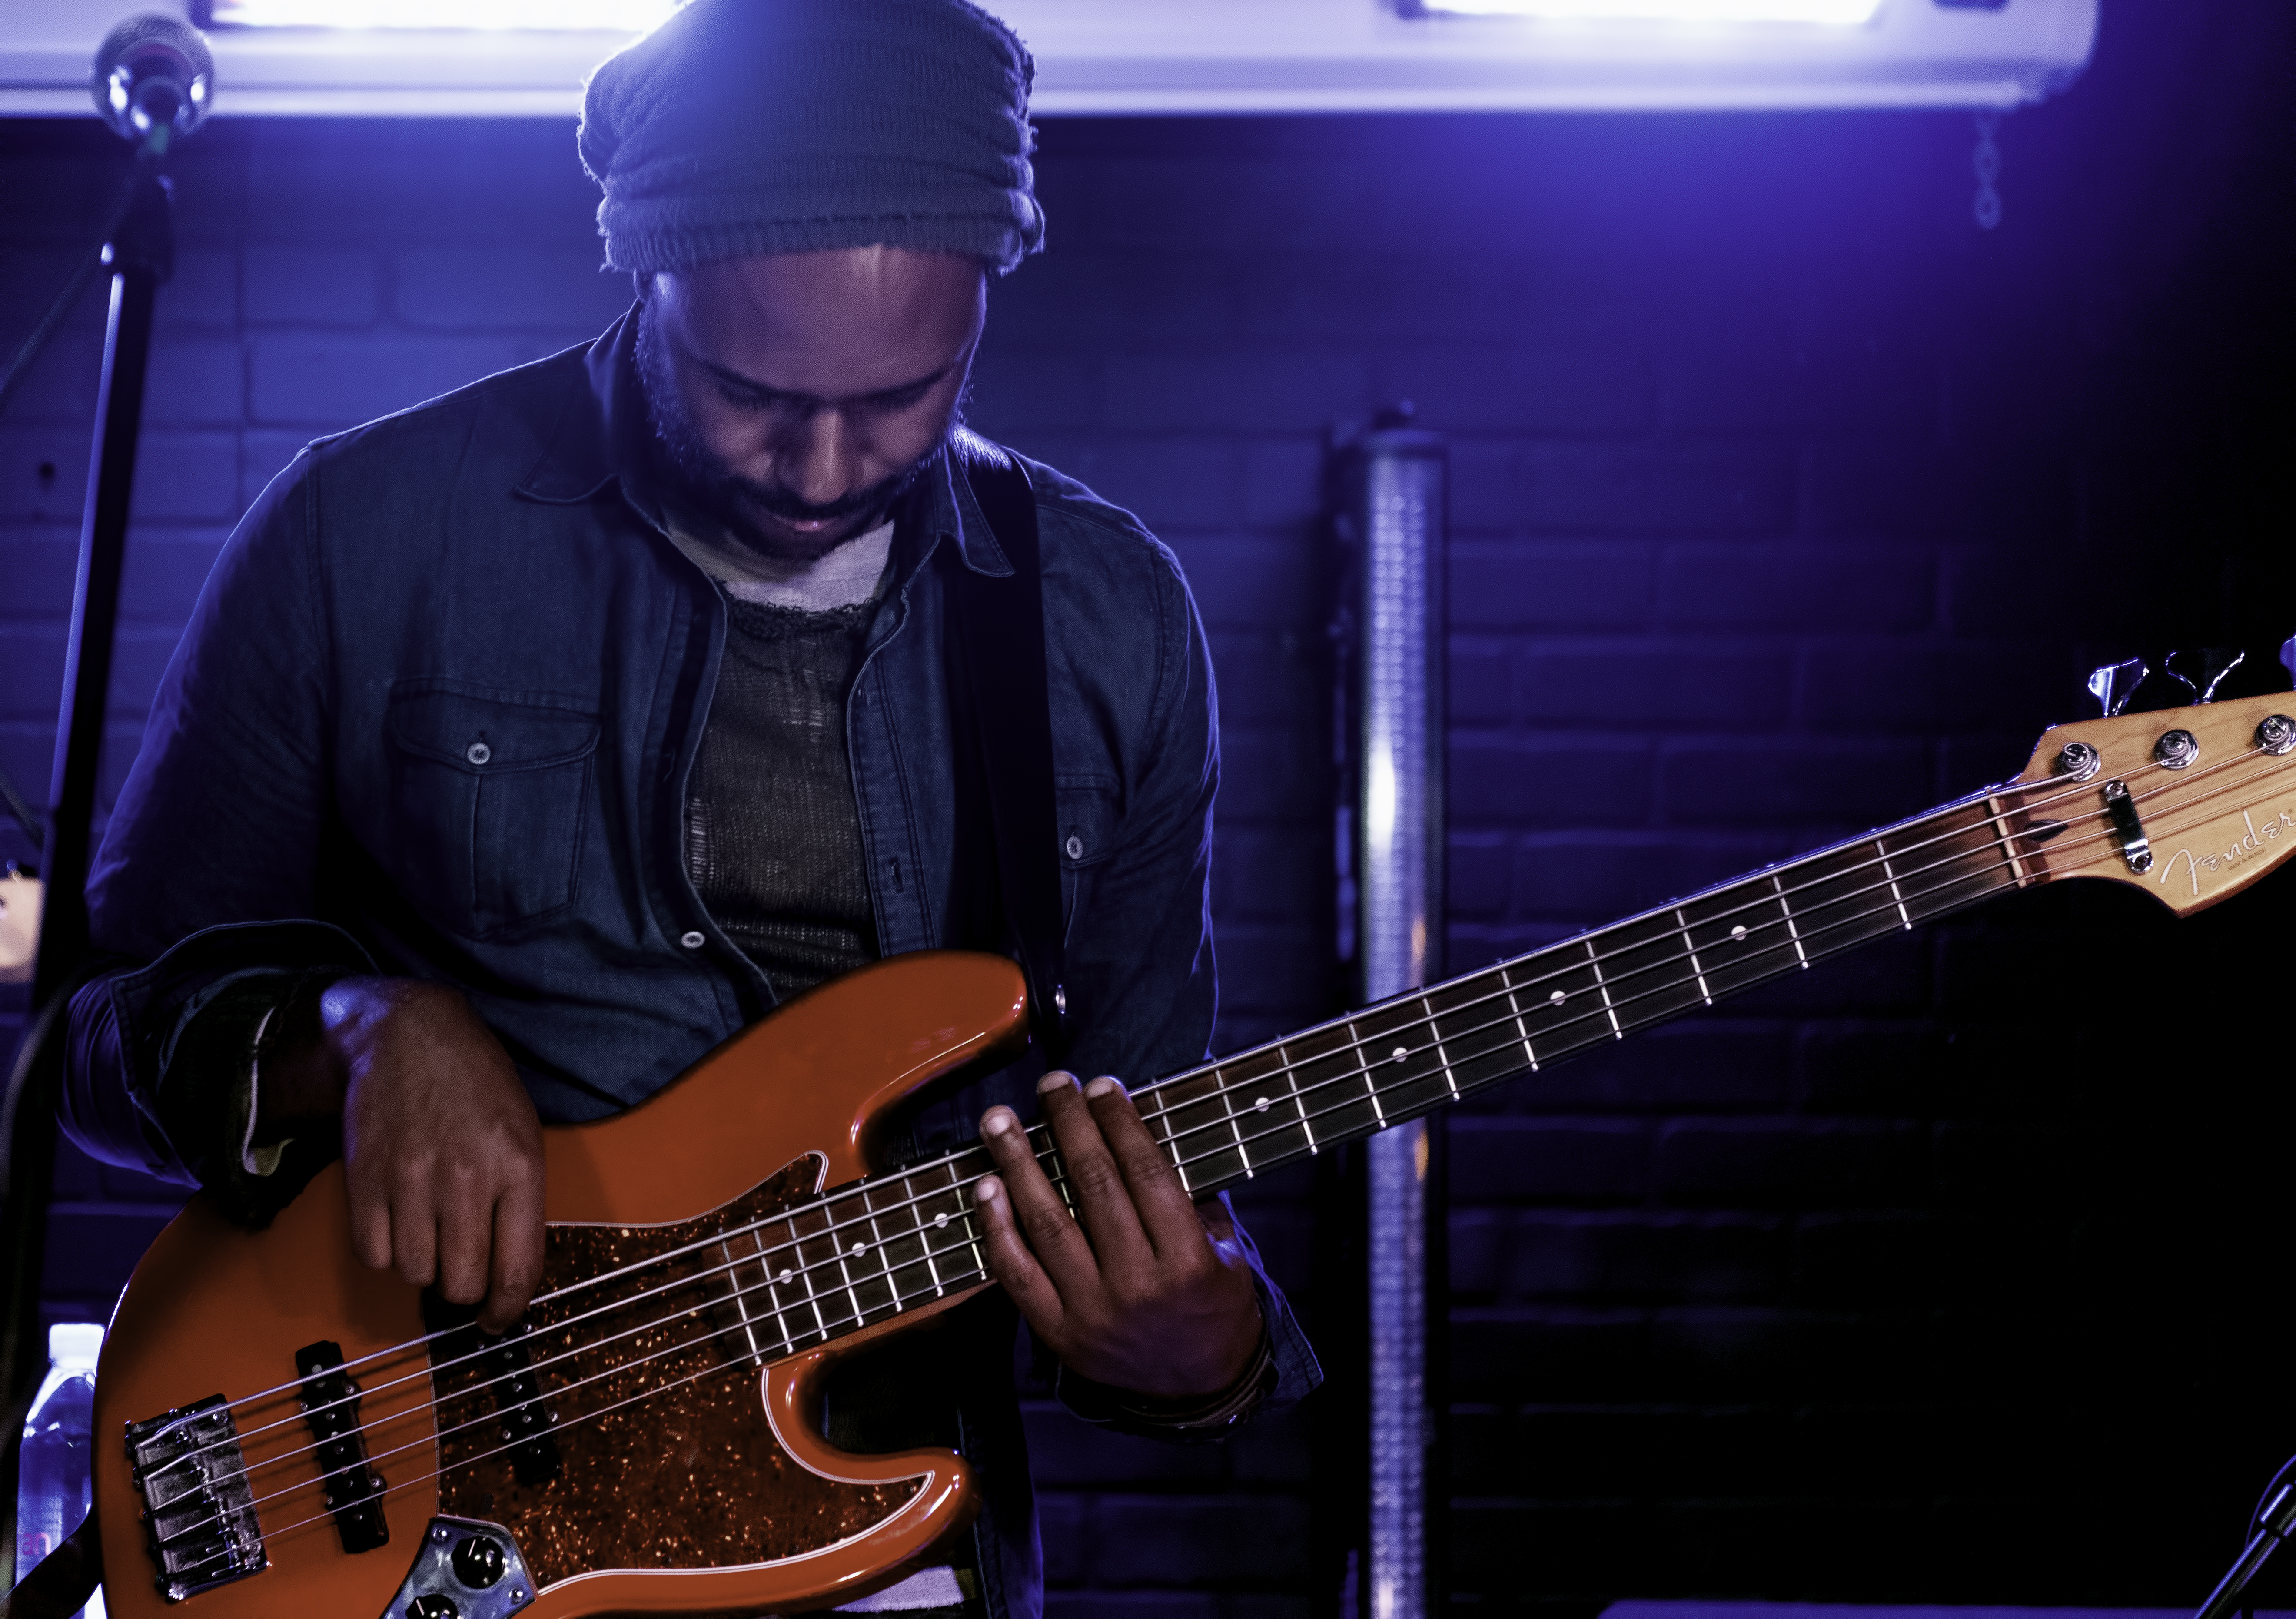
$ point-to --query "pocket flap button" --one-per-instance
(1075, 847)
(478, 753)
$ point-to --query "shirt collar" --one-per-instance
(596, 442)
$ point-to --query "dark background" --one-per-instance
(1787, 502)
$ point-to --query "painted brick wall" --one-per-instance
(1785, 502)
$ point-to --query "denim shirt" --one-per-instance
(434, 714)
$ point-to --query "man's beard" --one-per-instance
(720, 493)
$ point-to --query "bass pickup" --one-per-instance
(330, 1409)
(466, 1360)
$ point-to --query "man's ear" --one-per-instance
(642, 284)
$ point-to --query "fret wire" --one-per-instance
(1903, 915)
(1292, 1078)
(1792, 932)
(773, 1294)
(812, 1299)
(924, 1242)
(1442, 1057)
(1515, 1005)
(1697, 972)
(1595, 963)
(741, 1309)
(1228, 1107)
(885, 1250)
(1371, 1080)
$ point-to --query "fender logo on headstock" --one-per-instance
(2250, 844)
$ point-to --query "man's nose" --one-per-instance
(818, 462)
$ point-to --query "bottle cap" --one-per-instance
(73, 1346)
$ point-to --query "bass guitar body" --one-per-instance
(647, 1441)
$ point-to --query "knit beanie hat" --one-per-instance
(748, 126)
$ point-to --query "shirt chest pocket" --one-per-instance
(490, 794)
(1086, 812)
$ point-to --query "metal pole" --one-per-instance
(1399, 821)
(140, 255)
(140, 258)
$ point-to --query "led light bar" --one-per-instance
(528, 58)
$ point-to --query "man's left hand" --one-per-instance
(1144, 1290)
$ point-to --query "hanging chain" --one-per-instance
(1985, 163)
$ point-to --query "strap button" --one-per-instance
(692, 940)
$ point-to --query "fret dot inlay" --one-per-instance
(787, 1274)
(1399, 1054)
(1260, 1106)
(1557, 998)
(941, 1220)
(1739, 933)
(860, 1247)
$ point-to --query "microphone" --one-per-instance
(153, 78)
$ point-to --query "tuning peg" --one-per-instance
(2288, 657)
(2209, 665)
(2115, 683)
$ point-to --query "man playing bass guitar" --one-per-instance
(527, 744)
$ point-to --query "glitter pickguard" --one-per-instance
(689, 1477)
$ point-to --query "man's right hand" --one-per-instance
(442, 1150)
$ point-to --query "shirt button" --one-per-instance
(692, 940)
(478, 753)
(1076, 848)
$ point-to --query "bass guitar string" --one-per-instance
(842, 1257)
(1171, 1138)
(927, 1254)
(1147, 1091)
(1998, 836)
(1580, 964)
(1284, 1127)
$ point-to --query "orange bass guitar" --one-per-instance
(280, 1435)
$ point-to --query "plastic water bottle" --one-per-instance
(53, 1481)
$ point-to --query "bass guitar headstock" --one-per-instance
(2190, 804)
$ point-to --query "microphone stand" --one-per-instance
(2273, 1522)
(140, 256)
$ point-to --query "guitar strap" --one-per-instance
(1000, 705)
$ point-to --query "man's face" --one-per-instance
(797, 394)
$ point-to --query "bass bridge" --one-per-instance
(199, 1513)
